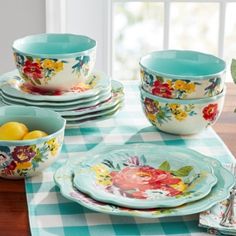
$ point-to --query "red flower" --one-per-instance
(23, 154)
(150, 106)
(210, 112)
(162, 89)
(32, 70)
(134, 181)
(11, 166)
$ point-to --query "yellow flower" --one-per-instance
(181, 115)
(53, 146)
(100, 169)
(58, 66)
(102, 174)
(23, 165)
(190, 88)
(151, 117)
(181, 186)
(174, 106)
(180, 85)
(48, 64)
(169, 83)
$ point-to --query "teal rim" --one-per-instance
(186, 77)
(185, 101)
(59, 56)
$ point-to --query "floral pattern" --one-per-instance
(210, 112)
(80, 87)
(21, 160)
(167, 88)
(164, 113)
(181, 88)
(134, 179)
(38, 70)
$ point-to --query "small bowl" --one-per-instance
(55, 61)
(24, 158)
(182, 117)
(182, 74)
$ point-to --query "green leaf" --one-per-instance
(183, 171)
(165, 166)
(233, 70)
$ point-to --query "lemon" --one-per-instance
(35, 134)
(13, 131)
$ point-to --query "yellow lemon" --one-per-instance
(13, 131)
(35, 134)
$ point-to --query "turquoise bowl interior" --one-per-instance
(180, 63)
(49, 45)
(35, 119)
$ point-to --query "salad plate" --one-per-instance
(59, 108)
(53, 103)
(64, 178)
(143, 178)
(117, 95)
(13, 85)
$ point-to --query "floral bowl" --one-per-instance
(182, 117)
(182, 74)
(24, 158)
(55, 61)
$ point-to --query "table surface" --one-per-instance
(12, 193)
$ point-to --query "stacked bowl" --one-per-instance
(182, 92)
(56, 71)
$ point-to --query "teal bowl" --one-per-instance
(55, 61)
(181, 74)
(24, 158)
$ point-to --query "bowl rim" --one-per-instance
(57, 56)
(182, 77)
(183, 101)
(38, 140)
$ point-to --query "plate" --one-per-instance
(43, 103)
(99, 99)
(103, 96)
(64, 179)
(142, 178)
(13, 85)
(75, 124)
(94, 114)
(117, 96)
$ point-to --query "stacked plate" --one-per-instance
(145, 180)
(98, 99)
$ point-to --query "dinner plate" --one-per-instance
(64, 179)
(76, 123)
(142, 178)
(13, 85)
(94, 114)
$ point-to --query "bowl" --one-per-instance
(55, 61)
(24, 158)
(182, 74)
(182, 117)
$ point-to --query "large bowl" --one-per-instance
(55, 61)
(182, 74)
(181, 117)
(24, 158)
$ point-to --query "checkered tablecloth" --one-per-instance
(52, 214)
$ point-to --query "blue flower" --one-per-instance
(5, 156)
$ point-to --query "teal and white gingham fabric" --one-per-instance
(52, 214)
